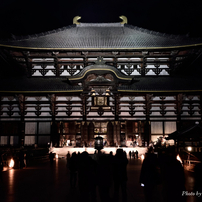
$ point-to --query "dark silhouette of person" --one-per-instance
(150, 176)
(73, 167)
(133, 154)
(130, 154)
(25, 160)
(136, 154)
(21, 158)
(198, 180)
(68, 156)
(26, 156)
(87, 177)
(51, 157)
(173, 179)
(120, 162)
(104, 177)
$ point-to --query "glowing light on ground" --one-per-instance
(142, 157)
(11, 164)
(179, 159)
(56, 156)
(62, 151)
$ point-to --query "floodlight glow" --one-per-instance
(189, 148)
(11, 164)
(178, 158)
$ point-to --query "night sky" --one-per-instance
(35, 16)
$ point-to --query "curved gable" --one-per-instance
(100, 69)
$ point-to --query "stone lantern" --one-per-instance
(98, 143)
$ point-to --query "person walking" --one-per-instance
(21, 158)
(68, 156)
(51, 157)
(150, 176)
(73, 167)
(173, 178)
(120, 162)
(136, 154)
(87, 177)
(130, 154)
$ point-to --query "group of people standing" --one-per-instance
(105, 171)
(162, 177)
(133, 154)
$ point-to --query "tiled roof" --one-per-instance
(101, 36)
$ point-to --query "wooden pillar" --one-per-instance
(110, 133)
(84, 133)
(129, 128)
(84, 98)
(126, 133)
(55, 138)
(28, 61)
(72, 131)
(114, 134)
(116, 98)
(56, 65)
(147, 136)
(143, 65)
(117, 132)
(179, 101)
(172, 61)
(21, 101)
(91, 133)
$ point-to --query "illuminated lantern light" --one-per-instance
(56, 156)
(11, 164)
(179, 159)
(189, 148)
(142, 157)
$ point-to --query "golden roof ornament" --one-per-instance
(124, 18)
(75, 20)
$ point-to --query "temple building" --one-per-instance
(127, 84)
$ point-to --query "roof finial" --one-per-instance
(124, 18)
(75, 20)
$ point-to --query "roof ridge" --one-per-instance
(111, 24)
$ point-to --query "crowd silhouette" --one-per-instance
(104, 176)
(162, 176)
(99, 171)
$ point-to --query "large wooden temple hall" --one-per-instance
(122, 82)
